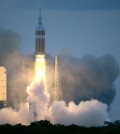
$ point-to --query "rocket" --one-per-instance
(40, 38)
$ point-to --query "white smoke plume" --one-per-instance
(38, 99)
(19, 66)
(87, 113)
(86, 77)
(82, 79)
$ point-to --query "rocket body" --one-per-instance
(40, 38)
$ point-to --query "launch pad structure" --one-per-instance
(3, 87)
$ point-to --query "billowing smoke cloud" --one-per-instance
(19, 66)
(38, 99)
(88, 77)
(87, 85)
(84, 78)
(9, 41)
(11, 116)
(87, 113)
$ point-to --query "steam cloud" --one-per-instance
(93, 78)
(18, 66)
(88, 77)
(87, 113)
(87, 84)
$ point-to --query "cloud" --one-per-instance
(86, 113)
(19, 66)
(87, 77)
(87, 85)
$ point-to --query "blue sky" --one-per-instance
(75, 27)
(70, 4)
(78, 27)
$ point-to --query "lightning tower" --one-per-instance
(58, 95)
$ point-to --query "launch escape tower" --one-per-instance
(58, 95)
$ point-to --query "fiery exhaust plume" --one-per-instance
(40, 68)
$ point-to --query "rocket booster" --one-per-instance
(40, 37)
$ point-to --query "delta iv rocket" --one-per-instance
(40, 38)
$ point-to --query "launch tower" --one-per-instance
(3, 87)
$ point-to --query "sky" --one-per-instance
(73, 27)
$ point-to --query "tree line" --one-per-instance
(45, 127)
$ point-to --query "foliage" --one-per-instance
(45, 127)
